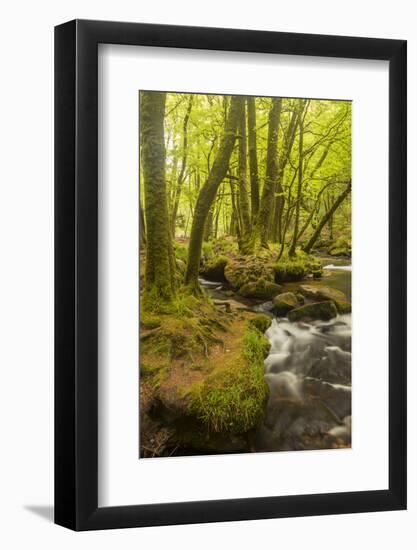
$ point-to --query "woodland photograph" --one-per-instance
(245, 274)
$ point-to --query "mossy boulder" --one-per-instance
(181, 266)
(289, 269)
(323, 293)
(225, 246)
(261, 322)
(285, 302)
(246, 269)
(232, 398)
(286, 272)
(318, 310)
(343, 307)
(180, 251)
(341, 247)
(213, 270)
(261, 290)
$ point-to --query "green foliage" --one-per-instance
(261, 322)
(180, 251)
(148, 320)
(256, 345)
(154, 374)
(207, 252)
(327, 158)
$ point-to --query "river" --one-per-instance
(308, 371)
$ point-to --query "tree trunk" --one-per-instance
(289, 138)
(253, 157)
(271, 174)
(142, 229)
(209, 189)
(326, 218)
(291, 251)
(159, 274)
(181, 176)
(315, 208)
(208, 228)
(245, 241)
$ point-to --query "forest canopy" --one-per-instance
(273, 173)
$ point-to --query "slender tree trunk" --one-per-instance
(181, 176)
(246, 241)
(326, 218)
(316, 208)
(209, 189)
(159, 274)
(234, 218)
(291, 251)
(253, 157)
(142, 229)
(271, 174)
(173, 183)
(289, 138)
(216, 221)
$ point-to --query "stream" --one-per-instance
(308, 371)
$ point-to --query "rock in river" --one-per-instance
(283, 303)
(319, 310)
(326, 293)
(263, 290)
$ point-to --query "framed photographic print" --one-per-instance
(230, 275)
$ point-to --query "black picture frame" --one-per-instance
(76, 272)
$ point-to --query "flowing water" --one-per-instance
(308, 371)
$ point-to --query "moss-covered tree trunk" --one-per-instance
(265, 207)
(181, 177)
(326, 217)
(245, 241)
(208, 228)
(279, 201)
(142, 228)
(159, 274)
(209, 189)
(291, 251)
(253, 157)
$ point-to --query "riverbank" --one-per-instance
(220, 386)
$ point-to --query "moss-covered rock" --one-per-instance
(325, 293)
(318, 310)
(261, 322)
(225, 246)
(232, 399)
(340, 247)
(181, 266)
(207, 252)
(246, 269)
(261, 289)
(343, 307)
(213, 270)
(289, 269)
(285, 302)
(180, 251)
(322, 293)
